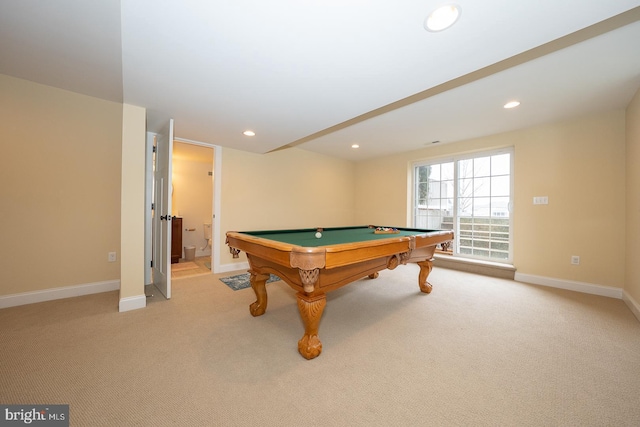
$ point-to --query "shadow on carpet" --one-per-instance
(242, 281)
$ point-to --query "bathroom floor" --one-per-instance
(184, 268)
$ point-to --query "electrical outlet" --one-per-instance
(575, 260)
(112, 257)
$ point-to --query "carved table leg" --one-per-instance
(425, 268)
(311, 309)
(258, 282)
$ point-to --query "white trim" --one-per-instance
(216, 233)
(234, 267)
(58, 293)
(633, 305)
(472, 265)
(132, 303)
(587, 288)
(148, 200)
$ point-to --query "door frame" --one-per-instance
(148, 200)
(217, 186)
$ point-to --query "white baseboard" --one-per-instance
(58, 293)
(633, 305)
(587, 288)
(132, 303)
(234, 267)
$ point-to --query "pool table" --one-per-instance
(314, 264)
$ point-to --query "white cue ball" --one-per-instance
(318, 235)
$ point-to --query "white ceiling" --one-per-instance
(324, 74)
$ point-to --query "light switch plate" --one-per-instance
(541, 200)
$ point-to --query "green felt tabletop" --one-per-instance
(330, 236)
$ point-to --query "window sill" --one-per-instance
(486, 268)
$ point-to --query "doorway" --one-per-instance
(193, 209)
(151, 258)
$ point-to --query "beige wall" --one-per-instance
(632, 272)
(132, 212)
(283, 190)
(578, 164)
(60, 193)
(61, 169)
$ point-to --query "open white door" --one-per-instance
(162, 211)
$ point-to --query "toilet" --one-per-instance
(207, 235)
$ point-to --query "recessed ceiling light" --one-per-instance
(511, 104)
(249, 133)
(442, 18)
(355, 146)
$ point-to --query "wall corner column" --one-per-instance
(132, 210)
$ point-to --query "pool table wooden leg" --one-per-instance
(258, 284)
(425, 268)
(311, 309)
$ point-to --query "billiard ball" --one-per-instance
(318, 235)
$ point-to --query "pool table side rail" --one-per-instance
(307, 230)
(308, 258)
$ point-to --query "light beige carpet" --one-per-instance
(477, 351)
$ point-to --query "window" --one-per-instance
(470, 195)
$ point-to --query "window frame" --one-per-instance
(456, 158)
